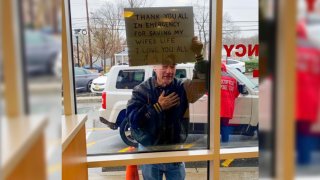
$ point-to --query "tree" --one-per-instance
(83, 49)
(249, 40)
(202, 22)
(139, 3)
(106, 29)
(230, 32)
(201, 18)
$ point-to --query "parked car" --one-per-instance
(122, 79)
(84, 78)
(58, 65)
(239, 65)
(94, 66)
(41, 52)
(245, 58)
(99, 83)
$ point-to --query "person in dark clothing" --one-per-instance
(158, 110)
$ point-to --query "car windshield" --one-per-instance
(81, 71)
(231, 62)
(34, 38)
(243, 78)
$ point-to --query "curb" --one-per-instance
(87, 99)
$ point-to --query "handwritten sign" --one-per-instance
(161, 35)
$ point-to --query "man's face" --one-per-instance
(165, 74)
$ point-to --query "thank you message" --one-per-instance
(159, 35)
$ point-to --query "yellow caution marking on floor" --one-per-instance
(124, 150)
(227, 162)
(188, 146)
(54, 168)
(91, 144)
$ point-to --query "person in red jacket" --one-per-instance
(307, 94)
(229, 92)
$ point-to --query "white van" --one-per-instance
(122, 79)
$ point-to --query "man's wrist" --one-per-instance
(199, 57)
(157, 107)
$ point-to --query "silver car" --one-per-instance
(84, 78)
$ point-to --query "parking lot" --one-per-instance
(103, 140)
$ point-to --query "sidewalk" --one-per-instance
(90, 99)
(230, 173)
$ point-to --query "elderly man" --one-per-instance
(158, 110)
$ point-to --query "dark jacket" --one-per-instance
(152, 126)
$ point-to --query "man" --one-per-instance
(229, 92)
(158, 110)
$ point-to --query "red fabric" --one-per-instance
(223, 67)
(310, 5)
(301, 29)
(229, 92)
(255, 73)
(307, 84)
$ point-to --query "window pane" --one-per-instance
(43, 63)
(105, 98)
(307, 114)
(239, 88)
(181, 73)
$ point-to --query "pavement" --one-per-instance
(91, 99)
(232, 173)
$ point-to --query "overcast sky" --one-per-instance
(239, 10)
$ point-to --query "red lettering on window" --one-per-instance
(254, 49)
(228, 49)
(244, 50)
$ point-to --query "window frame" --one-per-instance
(213, 154)
(15, 87)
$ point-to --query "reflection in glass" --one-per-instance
(241, 125)
(307, 119)
(104, 98)
(239, 112)
(42, 61)
(196, 137)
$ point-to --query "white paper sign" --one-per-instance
(159, 35)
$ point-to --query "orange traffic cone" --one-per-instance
(132, 170)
